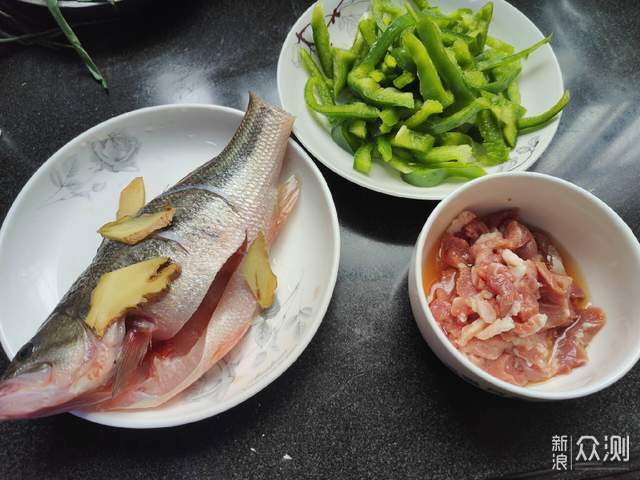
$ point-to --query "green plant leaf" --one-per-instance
(54, 8)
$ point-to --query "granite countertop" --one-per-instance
(367, 398)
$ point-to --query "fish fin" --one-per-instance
(288, 193)
(134, 347)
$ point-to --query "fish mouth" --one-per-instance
(27, 392)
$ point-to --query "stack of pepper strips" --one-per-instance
(420, 91)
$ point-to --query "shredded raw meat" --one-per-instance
(505, 299)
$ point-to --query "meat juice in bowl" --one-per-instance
(507, 298)
(597, 249)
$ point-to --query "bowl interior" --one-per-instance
(541, 86)
(603, 247)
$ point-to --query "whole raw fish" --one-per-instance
(209, 335)
(220, 206)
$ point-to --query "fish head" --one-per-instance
(54, 368)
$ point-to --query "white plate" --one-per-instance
(541, 86)
(49, 237)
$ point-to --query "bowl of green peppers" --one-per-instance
(412, 99)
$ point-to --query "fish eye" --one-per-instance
(25, 352)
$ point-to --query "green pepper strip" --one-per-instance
(446, 153)
(495, 150)
(404, 59)
(321, 40)
(425, 177)
(463, 54)
(342, 62)
(367, 28)
(532, 123)
(404, 79)
(483, 19)
(430, 84)
(462, 116)
(427, 109)
(430, 177)
(448, 70)
(454, 138)
(449, 37)
(343, 137)
(349, 110)
(500, 45)
(475, 78)
(513, 91)
(414, 141)
(379, 8)
(359, 47)
(362, 159)
(359, 129)
(312, 68)
(389, 116)
(369, 89)
(504, 77)
(500, 60)
(401, 164)
(383, 145)
(507, 113)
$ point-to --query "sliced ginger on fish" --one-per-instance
(131, 230)
(127, 288)
(257, 272)
(132, 199)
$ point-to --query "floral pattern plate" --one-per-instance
(540, 84)
(49, 237)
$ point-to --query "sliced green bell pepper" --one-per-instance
(427, 109)
(448, 70)
(312, 68)
(404, 79)
(430, 84)
(362, 159)
(411, 140)
(500, 60)
(533, 123)
(495, 150)
(341, 135)
(464, 115)
(359, 80)
(342, 62)
(446, 153)
(383, 145)
(359, 129)
(349, 110)
(321, 39)
(367, 27)
(430, 177)
(507, 113)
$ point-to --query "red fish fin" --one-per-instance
(134, 347)
(288, 193)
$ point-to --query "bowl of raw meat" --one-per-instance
(526, 286)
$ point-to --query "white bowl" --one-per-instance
(604, 248)
(540, 84)
(49, 237)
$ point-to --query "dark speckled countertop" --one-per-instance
(367, 398)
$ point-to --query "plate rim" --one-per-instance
(108, 418)
(371, 185)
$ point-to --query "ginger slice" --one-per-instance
(257, 272)
(131, 230)
(127, 288)
(132, 199)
